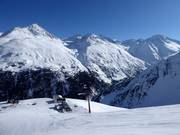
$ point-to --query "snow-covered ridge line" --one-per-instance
(33, 46)
(106, 58)
(33, 30)
(156, 48)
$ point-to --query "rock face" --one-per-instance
(156, 86)
(153, 49)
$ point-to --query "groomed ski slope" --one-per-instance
(35, 117)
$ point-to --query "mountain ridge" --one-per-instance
(99, 54)
(35, 47)
(31, 54)
(157, 47)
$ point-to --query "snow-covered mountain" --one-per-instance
(1, 33)
(104, 57)
(33, 47)
(156, 86)
(34, 63)
(153, 49)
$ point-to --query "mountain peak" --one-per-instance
(91, 35)
(153, 37)
(79, 38)
(74, 37)
(35, 27)
(156, 48)
(33, 30)
(158, 37)
(38, 30)
(98, 38)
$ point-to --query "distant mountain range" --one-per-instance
(35, 63)
(153, 49)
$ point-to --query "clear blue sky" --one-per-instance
(120, 19)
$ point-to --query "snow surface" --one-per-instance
(33, 47)
(95, 107)
(104, 57)
(153, 49)
(28, 118)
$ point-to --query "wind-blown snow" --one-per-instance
(104, 57)
(153, 49)
(39, 119)
(33, 47)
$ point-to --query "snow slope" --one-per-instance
(96, 107)
(27, 118)
(156, 86)
(153, 49)
(33, 47)
(1, 33)
(104, 57)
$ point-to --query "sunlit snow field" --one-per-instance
(35, 117)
